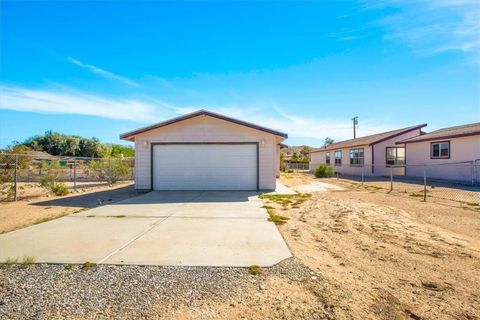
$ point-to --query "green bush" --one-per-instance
(323, 171)
(59, 189)
(50, 178)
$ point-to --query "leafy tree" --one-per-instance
(305, 153)
(58, 144)
(328, 141)
(71, 146)
(118, 149)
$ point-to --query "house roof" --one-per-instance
(130, 135)
(446, 133)
(369, 140)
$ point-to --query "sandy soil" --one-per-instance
(358, 254)
(22, 213)
(387, 257)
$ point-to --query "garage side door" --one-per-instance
(205, 167)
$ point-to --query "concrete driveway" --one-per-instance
(189, 228)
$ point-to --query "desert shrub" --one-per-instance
(323, 171)
(88, 265)
(50, 178)
(255, 270)
(59, 189)
(110, 169)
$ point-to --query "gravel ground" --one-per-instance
(42, 291)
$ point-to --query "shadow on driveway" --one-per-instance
(92, 199)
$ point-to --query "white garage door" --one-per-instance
(205, 167)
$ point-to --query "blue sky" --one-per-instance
(103, 68)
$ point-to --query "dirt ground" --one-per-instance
(358, 254)
(22, 213)
(385, 256)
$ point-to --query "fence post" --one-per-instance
(424, 185)
(476, 178)
(109, 170)
(74, 175)
(15, 179)
(391, 179)
(473, 172)
(363, 175)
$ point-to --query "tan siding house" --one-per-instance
(450, 153)
(366, 155)
(206, 151)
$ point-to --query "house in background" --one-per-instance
(449, 153)
(370, 155)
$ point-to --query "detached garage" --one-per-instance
(206, 151)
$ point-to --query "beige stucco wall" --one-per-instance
(319, 158)
(380, 153)
(207, 129)
(462, 149)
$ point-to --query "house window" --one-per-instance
(356, 157)
(338, 158)
(327, 157)
(395, 156)
(440, 150)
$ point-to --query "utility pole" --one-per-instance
(355, 124)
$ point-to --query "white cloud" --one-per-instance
(430, 27)
(298, 126)
(66, 101)
(104, 73)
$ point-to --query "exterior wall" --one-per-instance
(462, 149)
(277, 160)
(380, 153)
(379, 157)
(319, 158)
(206, 129)
(316, 158)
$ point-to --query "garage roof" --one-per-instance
(130, 135)
(447, 133)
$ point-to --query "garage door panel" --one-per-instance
(205, 167)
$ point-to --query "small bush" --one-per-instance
(254, 269)
(27, 260)
(323, 171)
(69, 266)
(59, 189)
(88, 265)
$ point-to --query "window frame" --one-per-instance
(396, 156)
(327, 157)
(440, 150)
(357, 150)
(339, 164)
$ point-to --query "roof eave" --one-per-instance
(397, 134)
(336, 148)
(440, 137)
(130, 136)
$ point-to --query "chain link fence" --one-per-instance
(27, 176)
(297, 166)
(457, 182)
